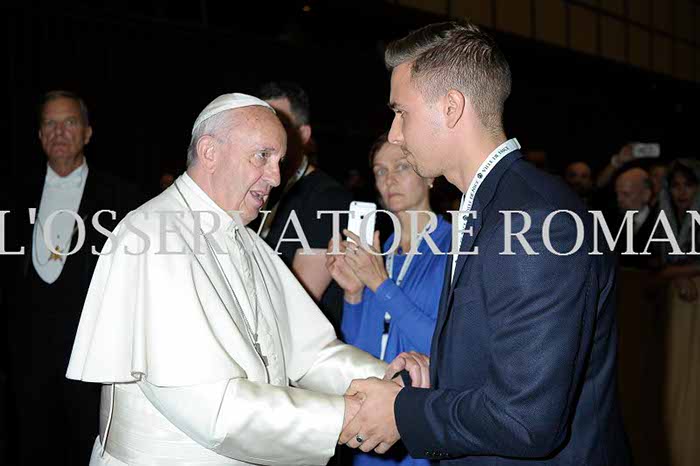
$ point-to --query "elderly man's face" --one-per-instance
(632, 192)
(247, 162)
(63, 133)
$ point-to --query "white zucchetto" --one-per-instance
(228, 102)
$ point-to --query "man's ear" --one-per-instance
(88, 135)
(207, 153)
(454, 104)
(305, 134)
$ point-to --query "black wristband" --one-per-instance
(405, 376)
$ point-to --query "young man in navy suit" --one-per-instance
(523, 355)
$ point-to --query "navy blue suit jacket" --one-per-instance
(523, 367)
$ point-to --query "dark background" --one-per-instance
(146, 69)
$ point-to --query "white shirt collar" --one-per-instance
(640, 217)
(73, 180)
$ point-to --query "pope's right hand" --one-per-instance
(353, 403)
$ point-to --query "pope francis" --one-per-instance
(209, 350)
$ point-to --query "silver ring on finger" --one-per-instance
(359, 438)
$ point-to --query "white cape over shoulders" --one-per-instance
(157, 310)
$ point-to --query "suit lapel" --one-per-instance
(86, 208)
(483, 198)
(448, 289)
(442, 313)
(35, 189)
(467, 243)
(88, 202)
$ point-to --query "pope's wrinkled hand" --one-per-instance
(353, 403)
(374, 426)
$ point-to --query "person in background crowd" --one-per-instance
(50, 285)
(633, 189)
(658, 173)
(306, 190)
(578, 176)
(681, 381)
(620, 162)
(617, 160)
(391, 308)
(166, 179)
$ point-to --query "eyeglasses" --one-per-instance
(68, 123)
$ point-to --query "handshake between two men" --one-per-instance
(369, 422)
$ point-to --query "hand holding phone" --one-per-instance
(358, 212)
(646, 151)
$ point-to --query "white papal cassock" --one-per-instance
(163, 329)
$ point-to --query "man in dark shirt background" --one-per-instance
(305, 190)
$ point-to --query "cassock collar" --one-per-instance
(200, 201)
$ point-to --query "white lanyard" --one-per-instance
(481, 174)
(301, 171)
(407, 262)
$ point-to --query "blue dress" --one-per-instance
(413, 307)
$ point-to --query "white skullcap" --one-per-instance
(228, 102)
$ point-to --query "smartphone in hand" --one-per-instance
(358, 212)
(646, 151)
